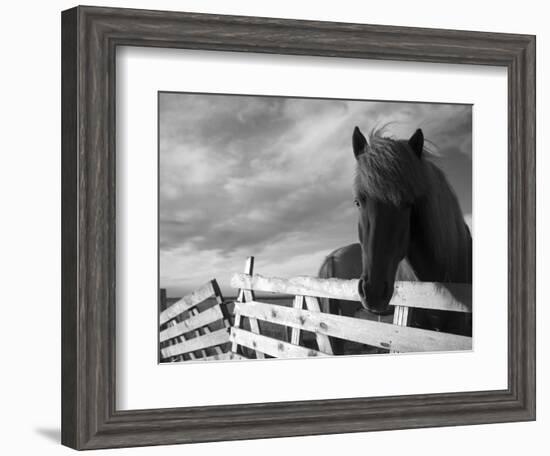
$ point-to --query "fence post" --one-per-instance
(400, 318)
(206, 330)
(162, 299)
(246, 296)
(161, 306)
(323, 341)
(298, 303)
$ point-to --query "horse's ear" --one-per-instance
(359, 142)
(416, 142)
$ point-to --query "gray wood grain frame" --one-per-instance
(89, 39)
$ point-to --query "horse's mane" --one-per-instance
(391, 172)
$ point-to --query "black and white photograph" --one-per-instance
(304, 227)
(275, 228)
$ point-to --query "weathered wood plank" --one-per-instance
(400, 318)
(384, 335)
(455, 297)
(223, 357)
(198, 343)
(269, 346)
(163, 300)
(248, 295)
(195, 322)
(187, 302)
(199, 332)
(174, 341)
(217, 349)
(248, 270)
(223, 309)
(323, 342)
(426, 295)
(236, 324)
(298, 303)
(254, 325)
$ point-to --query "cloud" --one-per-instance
(272, 177)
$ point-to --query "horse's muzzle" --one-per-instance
(378, 305)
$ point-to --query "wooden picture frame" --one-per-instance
(90, 37)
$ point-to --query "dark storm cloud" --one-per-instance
(272, 177)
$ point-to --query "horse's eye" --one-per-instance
(356, 202)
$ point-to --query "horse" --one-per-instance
(410, 227)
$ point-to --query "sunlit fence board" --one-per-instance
(269, 346)
(227, 356)
(186, 331)
(383, 335)
(198, 343)
(195, 322)
(424, 295)
(187, 302)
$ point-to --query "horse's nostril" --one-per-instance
(360, 288)
(363, 284)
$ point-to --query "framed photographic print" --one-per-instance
(252, 203)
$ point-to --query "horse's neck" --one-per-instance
(440, 244)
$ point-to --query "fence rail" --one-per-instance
(270, 346)
(212, 339)
(304, 331)
(382, 335)
(188, 333)
(197, 321)
(188, 302)
(455, 297)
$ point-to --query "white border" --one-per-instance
(141, 383)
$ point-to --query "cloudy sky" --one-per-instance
(272, 177)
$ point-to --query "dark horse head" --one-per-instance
(406, 209)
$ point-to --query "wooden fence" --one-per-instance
(242, 329)
(396, 337)
(185, 328)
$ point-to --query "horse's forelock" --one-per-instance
(389, 170)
